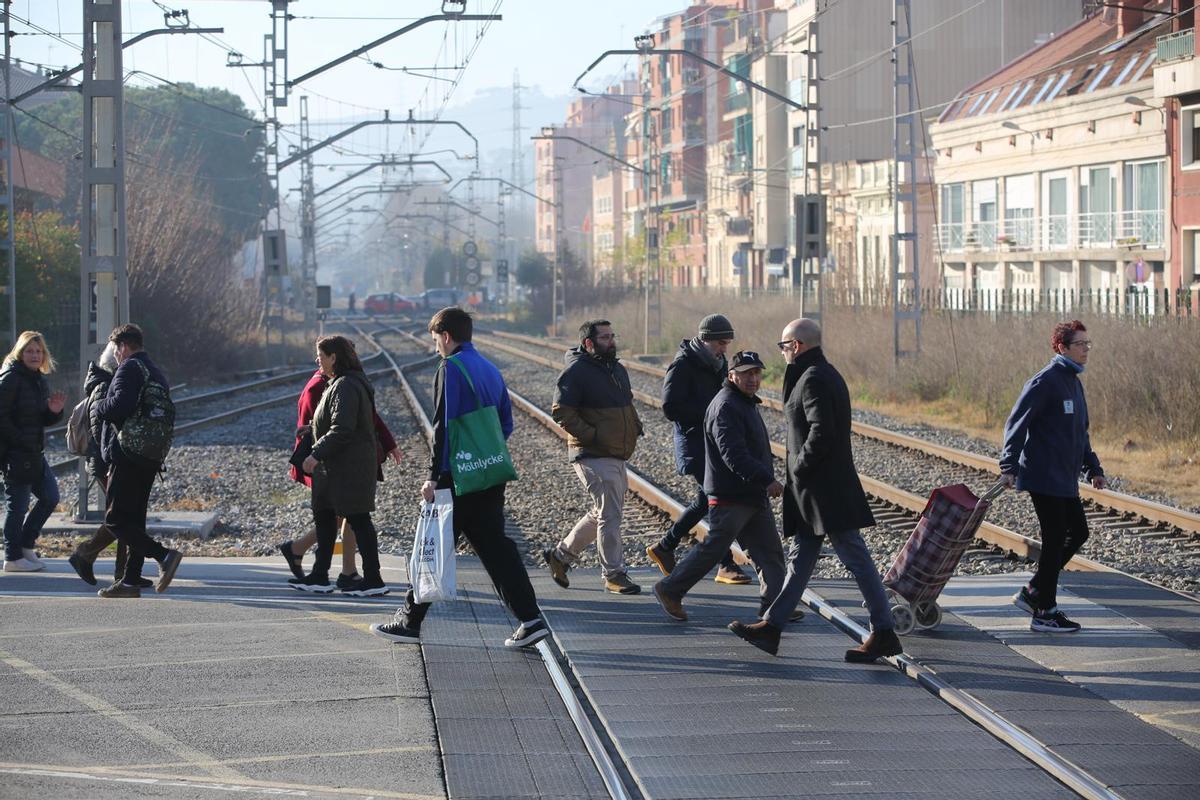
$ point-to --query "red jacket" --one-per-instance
(307, 405)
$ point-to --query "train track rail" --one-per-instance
(596, 738)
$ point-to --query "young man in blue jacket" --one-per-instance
(479, 516)
(1046, 446)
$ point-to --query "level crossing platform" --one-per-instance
(232, 683)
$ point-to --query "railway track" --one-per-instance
(1165, 529)
(596, 738)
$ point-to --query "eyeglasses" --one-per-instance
(783, 345)
(1086, 344)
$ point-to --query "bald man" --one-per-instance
(823, 496)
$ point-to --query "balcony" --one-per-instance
(737, 102)
(1059, 232)
(737, 163)
(1176, 68)
(1175, 46)
(738, 226)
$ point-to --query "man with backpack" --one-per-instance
(139, 422)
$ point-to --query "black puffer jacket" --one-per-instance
(737, 449)
(692, 381)
(24, 415)
(95, 386)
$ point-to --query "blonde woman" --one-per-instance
(27, 407)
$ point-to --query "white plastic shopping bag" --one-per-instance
(431, 566)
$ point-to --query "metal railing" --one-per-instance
(1175, 46)
(1098, 230)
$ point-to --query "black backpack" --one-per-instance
(147, 435)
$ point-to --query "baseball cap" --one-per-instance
(744, 360)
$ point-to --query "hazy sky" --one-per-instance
(549, 41)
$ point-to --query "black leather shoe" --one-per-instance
(761, 634)
(879, 644)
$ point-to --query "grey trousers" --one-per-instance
(606, 481)
(852, 551)
(754, 529)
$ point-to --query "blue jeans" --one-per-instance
(21, 529)
(852, 551)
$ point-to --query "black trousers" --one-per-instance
(691, 514)
(1064, 530)
(128, 496)
(479, 516)
(365, 537)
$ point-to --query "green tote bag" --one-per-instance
(479, 457)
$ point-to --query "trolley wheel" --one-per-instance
(903, 619)
(928, 614)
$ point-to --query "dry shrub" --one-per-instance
(1141, 381)
(184, 288)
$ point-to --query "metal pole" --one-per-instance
(308, 247)
(557, 283)
(104, 281)
(6, 155)
(905, 136)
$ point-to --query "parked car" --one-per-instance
(385, 303)
(435, 299)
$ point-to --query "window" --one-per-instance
(1058, 86)
(989, 102)
(1097, 205)
(1008, 98)
(1143, 203)
(1018, 210)
(1125, 72)
(1042, 92)
(1189, 137)
(952, 218)
(983, 196)
(1056, 232)
(1091, 87)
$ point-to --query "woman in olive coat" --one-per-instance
(343, 465)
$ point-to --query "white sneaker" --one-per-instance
(32, 557)
(22, 565)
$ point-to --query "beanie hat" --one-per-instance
(716, 326)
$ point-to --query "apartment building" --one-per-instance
(1177, 86)
(609, 263)
(563, 169)
(1052, 173)
(958, 44)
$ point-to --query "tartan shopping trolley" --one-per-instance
(928, 560)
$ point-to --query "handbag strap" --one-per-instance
(470, 383)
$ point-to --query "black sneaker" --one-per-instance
(83, 568)
(558, 567)
(398, 630)
(1052, 622)
(527, 634)
(1025, 601)
(318, 584)
(368, 587)
(344, 581)
(293, 560)
(143, 583)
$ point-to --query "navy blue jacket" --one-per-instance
(1046, 442)
(121, 401)
(689, 386)
(737, 449)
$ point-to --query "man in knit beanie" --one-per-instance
(692, 381)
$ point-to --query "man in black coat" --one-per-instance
(823, 495)
(692, 381)
(129, 479)
(739, 480)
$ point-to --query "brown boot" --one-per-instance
(663, 557)
(761, 634)
(670, 603)
(879, 644)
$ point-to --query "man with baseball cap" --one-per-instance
(739, 480)
(692, 381)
